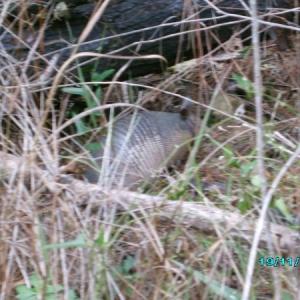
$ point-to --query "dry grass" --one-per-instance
(53, 244)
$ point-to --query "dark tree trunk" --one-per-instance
(134, 27)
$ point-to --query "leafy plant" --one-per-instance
(245, 84)
(89, 94)
(38, 287)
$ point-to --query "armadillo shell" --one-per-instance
(139, 145)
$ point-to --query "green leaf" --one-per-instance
(98, 93)
(36, 282)
(24, 293)
(246, 203)
(52, 290)
(75, 91)
(281, 206)
(81, 128)
(79, 242)
(93, 104)
(245, 52)
(22, 289)
(286, 296)
(247, 168)
(101, 240)
(72, 295)
(50, 297)
(93, 146)
(215, 286)
(128, 263)
(256, 181)
(228, 152)
(102, 76)
(244, 84)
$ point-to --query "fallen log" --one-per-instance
(206, 219)
(129, 28)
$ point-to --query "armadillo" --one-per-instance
(141, 144)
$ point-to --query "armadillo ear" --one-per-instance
(185, 109)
